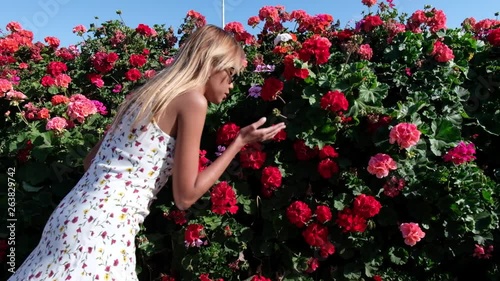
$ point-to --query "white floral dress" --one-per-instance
(90, 235)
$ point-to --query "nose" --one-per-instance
(231, 85)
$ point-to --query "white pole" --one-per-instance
(222, 13)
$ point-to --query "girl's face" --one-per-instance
(218, 85)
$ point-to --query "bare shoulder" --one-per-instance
(191, 102)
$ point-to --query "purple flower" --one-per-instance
(254, 91)
(220, 149)
(101, 108)
(264, 68)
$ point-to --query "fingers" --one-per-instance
(259, 123)
(271, 131)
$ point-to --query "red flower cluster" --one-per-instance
(199, 19)
(299, 213)
(133, 74)
(203, 161)
(335, 101)
(354, 220)
(369, 23)
(393, 187)
(227, 133)
(260, 278)
(327, 167)
(316, 46)
(167, 278)
(205, 277)
(316, 235)
(280, 136)
(303, 152)
(291, 71)
(481, 253)
(273, 16)
(271, 89)
(317, 24)
(435, 22)
(369, 3)
(137, 60)
(366, 206)
(494, 37)
(223, 199)
(56, 76)
(104, 62)
(271, 180)
(441, 52)
(193, 233)
(239, 32)
(145, 30)
(461, 153)
(377, 121)
(178, 216)
(252, 156)
(312, 265)
(24, 153)
(323, 214)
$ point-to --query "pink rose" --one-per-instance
(380, 164)
(405, 134)
(411, 233)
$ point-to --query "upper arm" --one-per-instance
(192, 111)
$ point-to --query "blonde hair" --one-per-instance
(208, 49)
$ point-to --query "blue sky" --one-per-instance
(58, 17)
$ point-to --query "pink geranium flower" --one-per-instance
(405, 134)
(411, 233)
(381, 164)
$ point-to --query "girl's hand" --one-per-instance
(252, 133)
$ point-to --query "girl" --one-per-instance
(90, 235)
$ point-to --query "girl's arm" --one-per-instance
(189, 184)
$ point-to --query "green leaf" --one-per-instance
(436, 146)
(53, 90)
(339, 201)
(30, 188)
(398, 255)
(41, 152)
(445, 130)
(352, 271)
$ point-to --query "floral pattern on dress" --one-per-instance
(91, 233)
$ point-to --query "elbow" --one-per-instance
(182, 205)
(183, 202)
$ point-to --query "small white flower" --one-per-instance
(282, 38)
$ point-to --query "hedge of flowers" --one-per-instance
(388, 168)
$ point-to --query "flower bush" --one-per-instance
(386, 170)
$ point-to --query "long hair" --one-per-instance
(208, 49)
